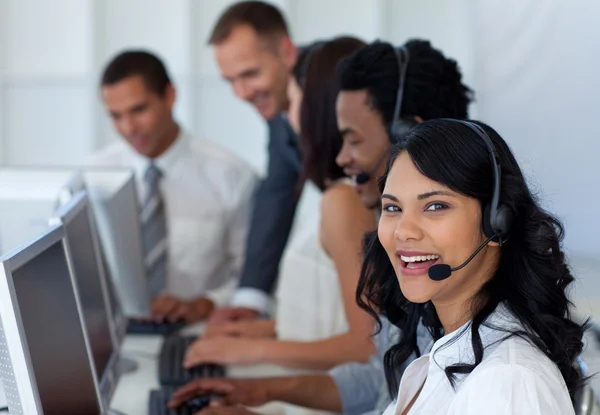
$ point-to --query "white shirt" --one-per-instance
(208, 199)
(514, 377)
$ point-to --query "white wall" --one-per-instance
(538, 85)
(532, 63)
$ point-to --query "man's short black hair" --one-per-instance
(433, 85)
(137, 63)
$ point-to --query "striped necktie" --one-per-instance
(154, 232)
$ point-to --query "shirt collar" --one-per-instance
(166, 160)
(456, 347)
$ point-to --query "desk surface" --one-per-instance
(133, 389)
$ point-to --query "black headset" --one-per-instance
(497, 217)
(400, 125)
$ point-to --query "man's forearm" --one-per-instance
(311, 391)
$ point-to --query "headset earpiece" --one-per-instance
(401, 127)
(503, 222)
(497, 217)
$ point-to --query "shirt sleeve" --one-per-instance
(252, 298)
(243, 184)
(273, 213)
(507, 389)
(363, 387)
(359, 385)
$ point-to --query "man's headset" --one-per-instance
(399, 125)
(497, 217)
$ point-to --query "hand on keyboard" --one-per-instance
(224, 314)
(160, 398)
(171, 371)
(224, 392)
(227, 410)
(224, 350)
(152, 326)
(260, 328)
(172, 309)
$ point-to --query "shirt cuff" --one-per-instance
(252, 298)
(359, 386)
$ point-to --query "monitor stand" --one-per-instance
(126, 365)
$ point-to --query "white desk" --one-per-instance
(131, 395)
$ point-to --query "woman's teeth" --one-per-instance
(418, 258)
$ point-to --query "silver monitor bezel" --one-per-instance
(78, 202)
(12, 322)
(74, 185)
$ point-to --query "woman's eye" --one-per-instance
(436, 206)
(391, 208)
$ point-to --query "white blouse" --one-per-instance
(514, 377)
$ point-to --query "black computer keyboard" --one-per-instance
(142, 326)
(170, 368)
(160, 398)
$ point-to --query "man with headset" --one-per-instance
(383, 92)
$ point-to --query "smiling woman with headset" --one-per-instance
(463, 246)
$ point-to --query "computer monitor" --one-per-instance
(84, 257)
(113, 194)
(72, 187)
(27, 200)
(47, 364)
(74, 184)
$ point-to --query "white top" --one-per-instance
(309, 302)
(514, 377)
(208, 199)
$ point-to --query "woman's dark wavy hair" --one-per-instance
(532, 275)
(320, 139)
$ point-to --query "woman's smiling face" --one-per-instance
(424, 223)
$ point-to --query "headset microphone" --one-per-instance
(439, 272)
(362, 178)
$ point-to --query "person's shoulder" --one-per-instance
(341, 195)
(279, 127)
(525, 381)
(341, 202)
(210, 152)
(520, 354)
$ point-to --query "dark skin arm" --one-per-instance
(312, 391)
(167, 307)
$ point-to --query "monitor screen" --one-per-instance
(87, 274)
(54, 335)
(116, 211)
